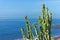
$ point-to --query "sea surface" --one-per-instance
(10, 29)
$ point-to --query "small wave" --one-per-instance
(18, 39)
(26, 39)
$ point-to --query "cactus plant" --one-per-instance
(44, 23)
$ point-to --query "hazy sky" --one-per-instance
(17, 9)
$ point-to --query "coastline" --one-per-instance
(56, 26)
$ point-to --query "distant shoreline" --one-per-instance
(56, 38)
(56, 26)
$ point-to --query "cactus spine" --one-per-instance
(44, 25)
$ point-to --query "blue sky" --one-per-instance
(17, 9)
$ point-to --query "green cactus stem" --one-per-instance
(22, 30)
(29, 29)
(36, 31)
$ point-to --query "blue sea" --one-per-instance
(10, 29)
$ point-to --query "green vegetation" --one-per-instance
(44, 25)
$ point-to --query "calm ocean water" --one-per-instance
(10, 29)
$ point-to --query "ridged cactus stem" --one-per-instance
(31, 35)
(45, 32)
(47, 23)
(43, 13)
(36, 31)
(43, 20)
(22, 30)
(29, 29)
(40, 26)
